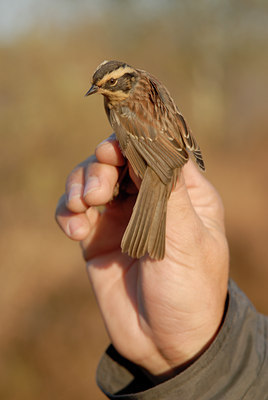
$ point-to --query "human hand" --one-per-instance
(158, 314)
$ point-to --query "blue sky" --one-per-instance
(17, 16)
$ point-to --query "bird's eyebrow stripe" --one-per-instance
(116, 74)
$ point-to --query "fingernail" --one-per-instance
(74, 227)
(93, 183)
(109, 140)
(104, 142)
(75, 191)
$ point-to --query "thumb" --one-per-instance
(183, 225)
(180, 204)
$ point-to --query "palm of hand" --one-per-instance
(160, 314)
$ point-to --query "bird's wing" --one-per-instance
(180, 125)
(190, 141)
(146, 142)
(149, 134)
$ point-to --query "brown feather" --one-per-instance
(146, 229)
(155, 138)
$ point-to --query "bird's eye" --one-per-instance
(112, 81)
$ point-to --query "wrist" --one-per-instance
(172, 368)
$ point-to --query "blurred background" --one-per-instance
(213, 57)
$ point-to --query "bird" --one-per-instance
(156, 140)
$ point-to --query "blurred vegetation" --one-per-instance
(213, 58)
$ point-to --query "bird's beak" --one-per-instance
(92, 90)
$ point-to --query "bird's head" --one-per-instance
(113, 79)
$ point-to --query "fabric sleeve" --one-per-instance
(235, 366)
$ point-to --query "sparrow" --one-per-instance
(156, 140)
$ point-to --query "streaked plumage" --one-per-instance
(155, 138)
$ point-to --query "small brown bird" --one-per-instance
(154, 137)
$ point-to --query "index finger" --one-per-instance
(107, 153)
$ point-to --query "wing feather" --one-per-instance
(151, 131)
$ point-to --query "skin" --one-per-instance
(163, 314)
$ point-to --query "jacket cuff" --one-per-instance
(230, 367)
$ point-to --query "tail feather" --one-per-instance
(157, 248)
(139, 228)
(145, 232)
(199, 159)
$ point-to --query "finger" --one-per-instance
(109, 152)
(75, 226)
(106, 235)
(193, 176)
(74, 187)
(204, 197)
(100, 181)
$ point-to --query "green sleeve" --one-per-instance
(234, 367)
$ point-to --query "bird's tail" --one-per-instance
(146, 229)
